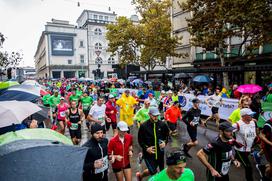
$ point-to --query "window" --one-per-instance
(81, 58)
(111, 60)
(106, 18)
(69, 62)
(98, 46)
(100, 17)
(97, 31)
(95, 16)
(81, 44)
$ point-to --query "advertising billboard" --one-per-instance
(62, 45)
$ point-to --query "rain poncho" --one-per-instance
(126, 105)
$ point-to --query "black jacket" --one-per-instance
(146, 137)
(95, 153)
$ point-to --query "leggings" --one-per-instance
(243, 158)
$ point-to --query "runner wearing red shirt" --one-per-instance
(120, 151)
(171, 116)
(111, 112)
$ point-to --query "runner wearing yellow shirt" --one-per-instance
(235, 115)
(126, 104)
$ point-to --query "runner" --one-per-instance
(54, 100)
(246, 132)
(214, 102)
(111, 113)
(192, 120)
(152, 100)
(126, 104)
(74, 97)
(217, 155)
(86, 102)
(235, 115)
(161, 100)
(96, 162)
(142, 115)
(74, 120)
(266, 137)
(97, 113)
(119, 151)
(152, 137)
(171, 116)
(167, 101)
(62, 108)
(176, 163)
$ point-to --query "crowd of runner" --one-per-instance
(113, 109)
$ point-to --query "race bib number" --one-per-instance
(102, 119)
(85, 106)
(104, 167)
(225, 167)
(195, 121)
(74, 126)
(62, 114)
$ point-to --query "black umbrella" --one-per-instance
(41, 160)
(182, 75)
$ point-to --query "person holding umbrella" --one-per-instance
(96, 162)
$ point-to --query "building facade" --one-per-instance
(62, 51)
(100, 61)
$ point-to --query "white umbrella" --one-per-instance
(14, 112)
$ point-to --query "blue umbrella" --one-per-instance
(21, 93)
(137, 81)
(202, 79)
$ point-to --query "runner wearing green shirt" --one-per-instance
(142, 115)
(86, 103)
(45, 100)
(53, 101)
(74, 97)
(79, 92)
(176, 171)
(114, 91)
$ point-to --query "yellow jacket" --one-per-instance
(126, 105)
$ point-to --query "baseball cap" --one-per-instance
(147, 101)
(122, 126)
(247, 111)
(154, 111)
(226, 126)
(127, 91)
(111, 96)
(175, 157)
(162, 92)
(62, 98)
(195, 100)
(150, 94)
(169, 92)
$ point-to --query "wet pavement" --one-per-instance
(236, 174)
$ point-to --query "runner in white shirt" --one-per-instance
(246, 132)
(97, 113)
(214, 102)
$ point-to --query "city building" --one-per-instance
(100, 61)
(62, 51)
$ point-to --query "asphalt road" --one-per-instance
(236, 174)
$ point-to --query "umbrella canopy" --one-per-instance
(7, 84)
(137, 81)
(37, 133)
(249, 88)
(21, 93)
(41, 160)
(14, 112)
(202, 79)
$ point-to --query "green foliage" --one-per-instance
(147, 43)
(214, 21)
(7, 59)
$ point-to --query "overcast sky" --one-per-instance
(22, 21)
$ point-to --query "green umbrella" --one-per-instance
(36, 133)
(7, 84)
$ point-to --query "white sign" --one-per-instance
(225, 110)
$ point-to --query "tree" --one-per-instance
(7, 59)
(214, 21)
(149, 42)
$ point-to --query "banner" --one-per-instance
(228, 106)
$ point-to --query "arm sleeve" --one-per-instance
(141, 138)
